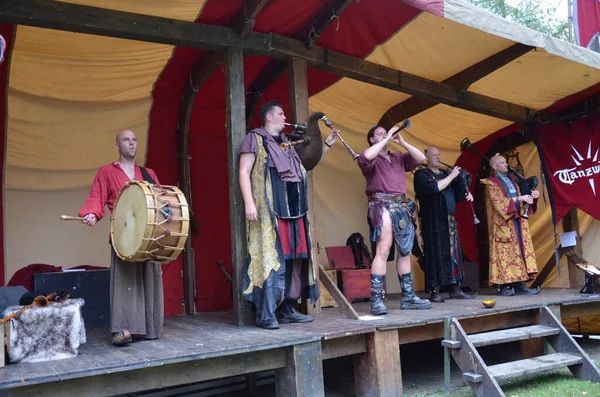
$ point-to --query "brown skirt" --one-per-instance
(136, 297)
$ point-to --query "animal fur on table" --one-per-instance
(46, 333)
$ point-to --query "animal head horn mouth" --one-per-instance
(40, 301)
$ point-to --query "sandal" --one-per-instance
(121, 338)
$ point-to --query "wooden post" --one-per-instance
(202, 70)
(571, 223)
(447, 336)
(299, 113)
(532, 348)
(189, 267)
(303, 373)
(236, 130)
(337, 295)
(377, 372)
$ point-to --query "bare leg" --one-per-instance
(403, 265)
(378, 267)
(384, 244)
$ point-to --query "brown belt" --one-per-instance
(401, 198)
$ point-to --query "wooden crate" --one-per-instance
(354, 283)
(326, 298)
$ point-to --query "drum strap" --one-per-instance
(147, 176)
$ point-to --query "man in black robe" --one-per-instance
(437, 192)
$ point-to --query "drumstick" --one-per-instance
(71, 218)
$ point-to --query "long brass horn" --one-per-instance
(329, 124)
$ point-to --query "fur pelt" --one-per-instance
(46, 333)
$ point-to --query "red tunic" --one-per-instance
(107, 184)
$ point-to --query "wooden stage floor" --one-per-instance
(206, 346)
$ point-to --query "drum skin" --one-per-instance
(149, 222)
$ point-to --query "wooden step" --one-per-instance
(511, 335)
(534, 365)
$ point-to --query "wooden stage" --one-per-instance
(206, 346)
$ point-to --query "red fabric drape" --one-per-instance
(586, 20)
(7, 31)
(353, 35)
(572, 157)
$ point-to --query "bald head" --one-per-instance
(126, 144)
(123, 133)
(498, 164)
(433, 157)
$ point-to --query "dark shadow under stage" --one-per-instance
(206, 346)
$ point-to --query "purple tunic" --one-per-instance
(386, 176)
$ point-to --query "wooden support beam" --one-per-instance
(298, 91)
(157, 377)
(471, 325)
(576, 277)
(579, 310)
(547, 269)
(332, 13)
(342, 347)
(382, 76)
(244, 19)
(204, 67)
(93, 20)
(78, 18)
(377, 372)
(303, 373)
(266, 78)
(462, 80)
(236, 131)
(532, 347)
(571, 223)
(273, 71)
(201, 71)
(337, 295)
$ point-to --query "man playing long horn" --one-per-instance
(391, 214)
(512, 259)
(274, 189)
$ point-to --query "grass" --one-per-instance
(557, 384)
(549, 385)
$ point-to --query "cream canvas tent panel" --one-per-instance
(69, 94)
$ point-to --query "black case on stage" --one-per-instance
(93, 286)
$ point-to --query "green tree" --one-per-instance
(528, 13)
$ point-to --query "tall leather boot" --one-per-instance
(410, 300)
(377, 295)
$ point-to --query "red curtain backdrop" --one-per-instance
(7, 31)
(572, 157)
(586, 19)
(354, 35)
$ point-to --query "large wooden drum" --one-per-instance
(149, 222)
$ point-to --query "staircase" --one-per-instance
(484, 379)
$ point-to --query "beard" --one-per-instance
(129, 154)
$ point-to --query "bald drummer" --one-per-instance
(136, 291)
